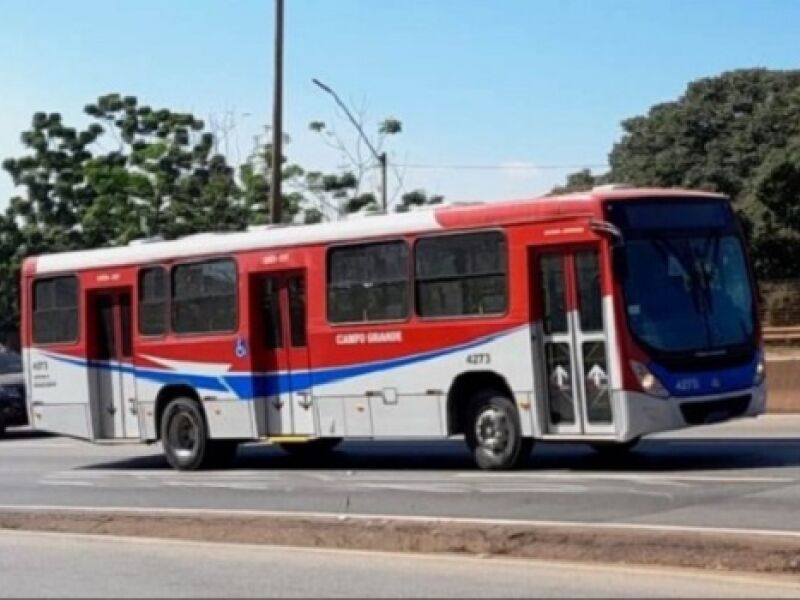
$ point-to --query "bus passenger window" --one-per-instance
(55, 310)
(204, 297)
(153, 301)
(368, 282)
(461, 275)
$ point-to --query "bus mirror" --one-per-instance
(609, 229)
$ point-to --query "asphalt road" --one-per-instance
(740, 475)
(48, 565)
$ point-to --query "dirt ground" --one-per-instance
(729, 552)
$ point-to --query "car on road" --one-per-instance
(13, 409)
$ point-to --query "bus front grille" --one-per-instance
(713, 411)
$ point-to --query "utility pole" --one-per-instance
(381, 158)
(277, 118)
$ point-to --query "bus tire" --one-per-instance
(2, 426)
(184, 435)
(494, 434)
(311, 447)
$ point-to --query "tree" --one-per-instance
(580, 181)
(417, 198)
(344, 191)
(737, 134)
(161, 176)
(172, 184)
(256, 177)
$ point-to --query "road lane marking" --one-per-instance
(217, 512)
(635, 477)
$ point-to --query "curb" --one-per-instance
(722, 550)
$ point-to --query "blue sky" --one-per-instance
(476, 82)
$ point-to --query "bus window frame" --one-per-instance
(237, 297)
(409, 280)
(485, 316)
(167, 304)
(78, 307)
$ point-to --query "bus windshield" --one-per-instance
(685, 277)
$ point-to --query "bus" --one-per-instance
(595, 317)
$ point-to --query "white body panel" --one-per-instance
(231, 243)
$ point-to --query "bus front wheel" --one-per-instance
(493, 432)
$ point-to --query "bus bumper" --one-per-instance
(643, 414)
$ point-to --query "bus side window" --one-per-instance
(153, 301)
(368, 282)
(204, 297)
(55, 310)
(459, 275)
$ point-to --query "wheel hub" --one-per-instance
(183, 435)
(491, 430)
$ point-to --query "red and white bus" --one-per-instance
(596, 317)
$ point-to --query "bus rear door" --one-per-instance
(280, 353)
(111, 371)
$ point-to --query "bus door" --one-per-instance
(112, 378)
(280, 353)
(572, 349)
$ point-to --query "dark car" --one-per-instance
(13, 410)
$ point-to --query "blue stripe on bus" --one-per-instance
(248, 385)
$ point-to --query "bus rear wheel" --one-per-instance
(184, 436)
(494, 434)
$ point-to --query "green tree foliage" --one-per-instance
(417, 198)
(255, 176)
(737, 133)
(344, 191)
(580, 181)
(138, 171)
(161, 178)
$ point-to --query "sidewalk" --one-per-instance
(783, 383)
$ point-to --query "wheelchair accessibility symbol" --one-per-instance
(241, 347)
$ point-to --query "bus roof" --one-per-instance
(429, 219)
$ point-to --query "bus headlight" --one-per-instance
(649, 382)
(761, 370)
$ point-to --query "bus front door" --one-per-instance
(572, 345)
(280, 354)
(113, 382)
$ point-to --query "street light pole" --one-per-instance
(277, 118)
(381, 158)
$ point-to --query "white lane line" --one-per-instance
(36, 445)
(257, 476)
(217, 512)
(69, 483)
(633, 477)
